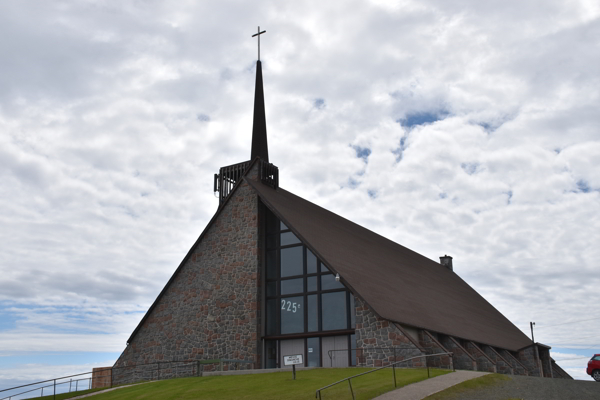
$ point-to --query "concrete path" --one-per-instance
(420, 390)
(107, 390)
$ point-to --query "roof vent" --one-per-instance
(446, 261)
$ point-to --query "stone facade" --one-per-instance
(546, 361)
(502, 366)
(484, 363)
(518, 368)
(210, 308)
(460, 357)
(432, 346)
(529, 358)
(378, 340)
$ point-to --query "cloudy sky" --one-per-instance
(461, 127)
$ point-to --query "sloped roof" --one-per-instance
(398, 283)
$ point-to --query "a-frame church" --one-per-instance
(273, 274)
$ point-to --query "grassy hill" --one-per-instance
(271, 386)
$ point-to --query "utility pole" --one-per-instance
(532, 324)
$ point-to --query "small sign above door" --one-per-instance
(293, 360)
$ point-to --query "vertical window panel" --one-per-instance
(313, 356)
(272, 316)
(292, 314)
(288, 238)
(272, 223)
(313, 312)
(271, 350)
(333, 311)
(311, 284)
(272, 241)
(291, 261)
(272, 264)
(311, 262)
(292, 286)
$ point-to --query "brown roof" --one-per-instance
(398, 283)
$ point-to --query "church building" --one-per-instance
(273, 274)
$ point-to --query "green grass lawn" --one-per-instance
(273, 386)
(456, 391)
(63, 396)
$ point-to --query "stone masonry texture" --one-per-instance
(432, 346)
(546, 362)
(502, 366)
(518, 368)
(484, 363)
(209, 311)
(461, 358)
(376, 339)
(527, 356)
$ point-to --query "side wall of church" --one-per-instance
(379, 342)
(546, 362)
(460, 357)
(518, 368)
(529, 358)
(484, 363)
(502, 365)
(432, 346)
(209, 311)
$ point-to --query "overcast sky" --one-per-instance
(463, 127)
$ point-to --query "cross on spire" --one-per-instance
(258, 34)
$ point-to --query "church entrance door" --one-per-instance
(335, 351)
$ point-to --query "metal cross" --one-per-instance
(258, 34)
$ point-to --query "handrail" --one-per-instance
(129, 370)
(43, 387)
(361, 350)
(318, 392)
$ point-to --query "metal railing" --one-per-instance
(227, 177)
(269, 174)
(116, 376)
(55, 382)
(393, 365)
(361, 354)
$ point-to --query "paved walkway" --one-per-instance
(107, 390)
(420, 390)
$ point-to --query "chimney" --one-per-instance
(446, 261)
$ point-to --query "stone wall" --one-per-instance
(546, 361)
(432, 346)
(518, 368)
(528, 357)
(484, 363)
(209, 309)
(378, 340)
(502, 366)
(460, 357)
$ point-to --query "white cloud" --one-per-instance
(113, 119)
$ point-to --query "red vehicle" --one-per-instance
(593, 367)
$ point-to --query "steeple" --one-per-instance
(259, 125)
(230, 175)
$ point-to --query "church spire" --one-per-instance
(259, 125)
